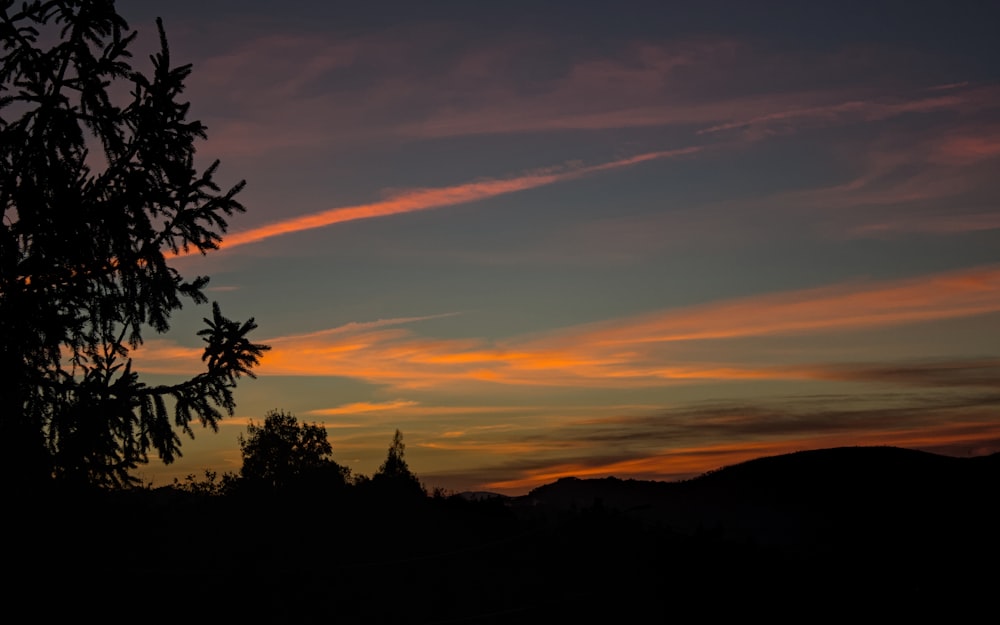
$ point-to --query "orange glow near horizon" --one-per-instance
(685, 463)
(591, 354)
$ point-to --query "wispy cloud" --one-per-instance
(981, 372)
(642, 351)
(863, 110)
(637, 351)
(929, 224)
(477, 89)
(426, 199)
(360, 407)
(264, 97)
(936, 178)
(853, 305)
(361, 326)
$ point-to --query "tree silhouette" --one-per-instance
(282, 452)
(394, 474)
(99, 191)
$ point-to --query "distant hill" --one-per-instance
(876, 532)
(814, 500)
(861, 470)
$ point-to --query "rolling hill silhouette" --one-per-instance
(817, 500)
(862, 531)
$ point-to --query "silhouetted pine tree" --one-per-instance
(394, 474)
(99, 190)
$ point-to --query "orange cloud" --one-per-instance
(626, 352)
(631, 352)
(161, 356)
(427, 199)
(362, 406)
(860, 305)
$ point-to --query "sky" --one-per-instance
(640, 239)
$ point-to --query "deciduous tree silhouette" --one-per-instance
(282, 452)
(99, 191)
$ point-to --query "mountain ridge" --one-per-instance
(817, 499)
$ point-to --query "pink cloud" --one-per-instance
(969, 146)
(261, 98)
(962, 98)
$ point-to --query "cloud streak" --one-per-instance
(684, 442)
(640, 351)
(939, 296)
(360, 407)
(426, 199)
(866, 110)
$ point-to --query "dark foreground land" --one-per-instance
(855, 532)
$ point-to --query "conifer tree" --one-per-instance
(99, 191)
(394, 474)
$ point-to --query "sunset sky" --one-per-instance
(642, 239)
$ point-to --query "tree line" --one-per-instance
(283, 456)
